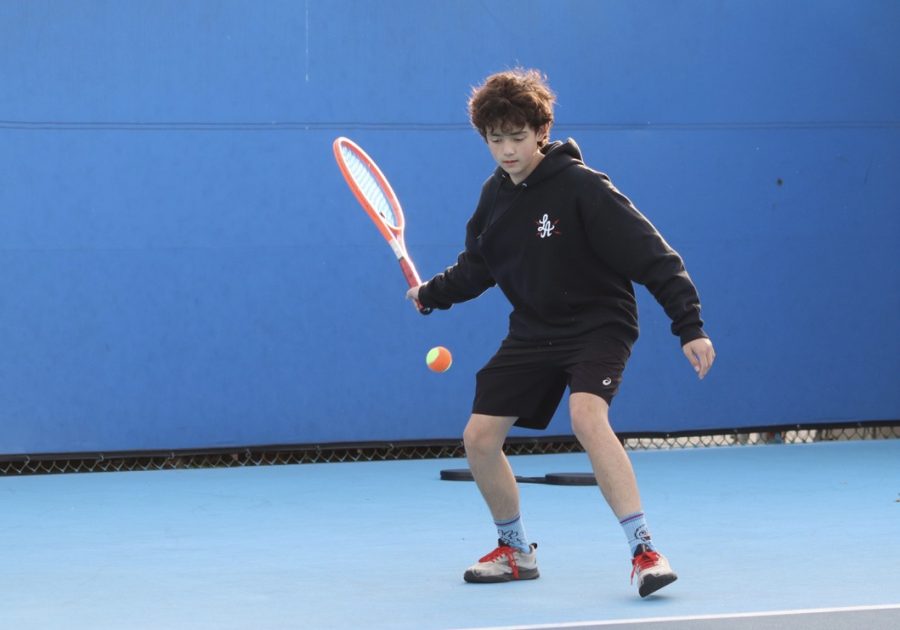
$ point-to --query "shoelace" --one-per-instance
(643, 561)
(509, 553)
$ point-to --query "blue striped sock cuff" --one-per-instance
(509, 522)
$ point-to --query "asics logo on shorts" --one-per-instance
(547, 227)
(607, 381)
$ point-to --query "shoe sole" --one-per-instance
(653, 583)
(524, 574)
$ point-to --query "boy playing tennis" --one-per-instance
(564, 246)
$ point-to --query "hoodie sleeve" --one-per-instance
(464, 281)
(632, 246)
(470, 276)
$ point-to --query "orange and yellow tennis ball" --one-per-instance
(439, 359)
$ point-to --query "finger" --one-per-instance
(707, 360)
(692, 357)
(704, 365)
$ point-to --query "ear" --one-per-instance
(543, 134)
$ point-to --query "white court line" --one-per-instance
(765, 613)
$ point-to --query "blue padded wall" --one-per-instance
(182, 266)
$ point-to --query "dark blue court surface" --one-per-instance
(761, 536)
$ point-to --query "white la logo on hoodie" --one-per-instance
(546, 227)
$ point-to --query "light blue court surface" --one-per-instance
(750, 529)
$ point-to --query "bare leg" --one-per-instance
(483, 438)
(514, 558)
(615, 476)
(612, 467)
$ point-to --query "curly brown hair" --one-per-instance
(510, 100)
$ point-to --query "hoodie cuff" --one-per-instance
(426, 299)
(691, 333)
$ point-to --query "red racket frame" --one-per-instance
(393, 234)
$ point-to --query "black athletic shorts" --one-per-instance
(527, 379)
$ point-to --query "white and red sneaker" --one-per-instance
(504, 564)
(652, 570)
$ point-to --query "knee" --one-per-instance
(589, 414)
(482, 436)
(582, 425)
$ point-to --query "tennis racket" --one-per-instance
(375, 195)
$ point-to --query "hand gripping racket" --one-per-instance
(377, 198)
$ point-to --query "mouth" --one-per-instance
(509, 162)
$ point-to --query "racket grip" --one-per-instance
(413, 280)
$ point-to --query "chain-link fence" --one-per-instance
(332, 453)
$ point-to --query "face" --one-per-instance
(516, 151)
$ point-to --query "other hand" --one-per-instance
(701, 354)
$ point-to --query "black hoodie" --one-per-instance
(564, 247)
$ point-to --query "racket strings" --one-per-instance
(369, 186)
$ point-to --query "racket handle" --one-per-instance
(413, 280)
(425, 310)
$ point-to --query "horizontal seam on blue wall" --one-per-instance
(224, 126)
(399, 126)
